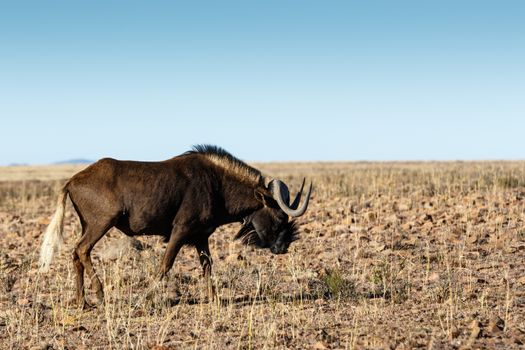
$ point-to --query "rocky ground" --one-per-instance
(391, 256)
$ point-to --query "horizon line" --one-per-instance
(484, 160)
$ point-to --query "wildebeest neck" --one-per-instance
(239, 197)
(238, 182)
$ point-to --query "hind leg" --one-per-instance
(82, 261)
(80, 299)
(79, 269)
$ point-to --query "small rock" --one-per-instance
(44, 221)
(406, 226)
(475, 332)
(356, 229)
(428, 205)
(79, 328)
(23, 302)
(320, 345)
(378, 247)
(43, 346)
(472, 237)
(496, 326)
(392, 219)
(403, 207)
(339, 229)
(365, 238)
(160, 347)
(433, 277)
(517, 336)
(124, 247)
(454, 332)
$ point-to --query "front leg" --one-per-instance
(206, 262)
(175, 242)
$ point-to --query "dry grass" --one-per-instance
(392, 255)
(41, 172)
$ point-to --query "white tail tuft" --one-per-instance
(53, 236)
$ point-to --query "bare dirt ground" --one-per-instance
(391, 256)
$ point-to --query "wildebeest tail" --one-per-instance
(53, 236)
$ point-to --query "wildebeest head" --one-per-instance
(269, 227)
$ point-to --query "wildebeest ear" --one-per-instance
(263, 196)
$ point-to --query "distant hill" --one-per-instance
(75, 161)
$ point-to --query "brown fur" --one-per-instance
(183, 199)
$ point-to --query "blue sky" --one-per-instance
(267, 80)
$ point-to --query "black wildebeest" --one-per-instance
(184, 199)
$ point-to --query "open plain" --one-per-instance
(391, 256)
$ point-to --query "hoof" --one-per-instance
(88, 307)
(81, 303)
(84, 305)
(212, 292)
(99, 299)
(160, 277)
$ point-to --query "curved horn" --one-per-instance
(279, 190)
(297, 199)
